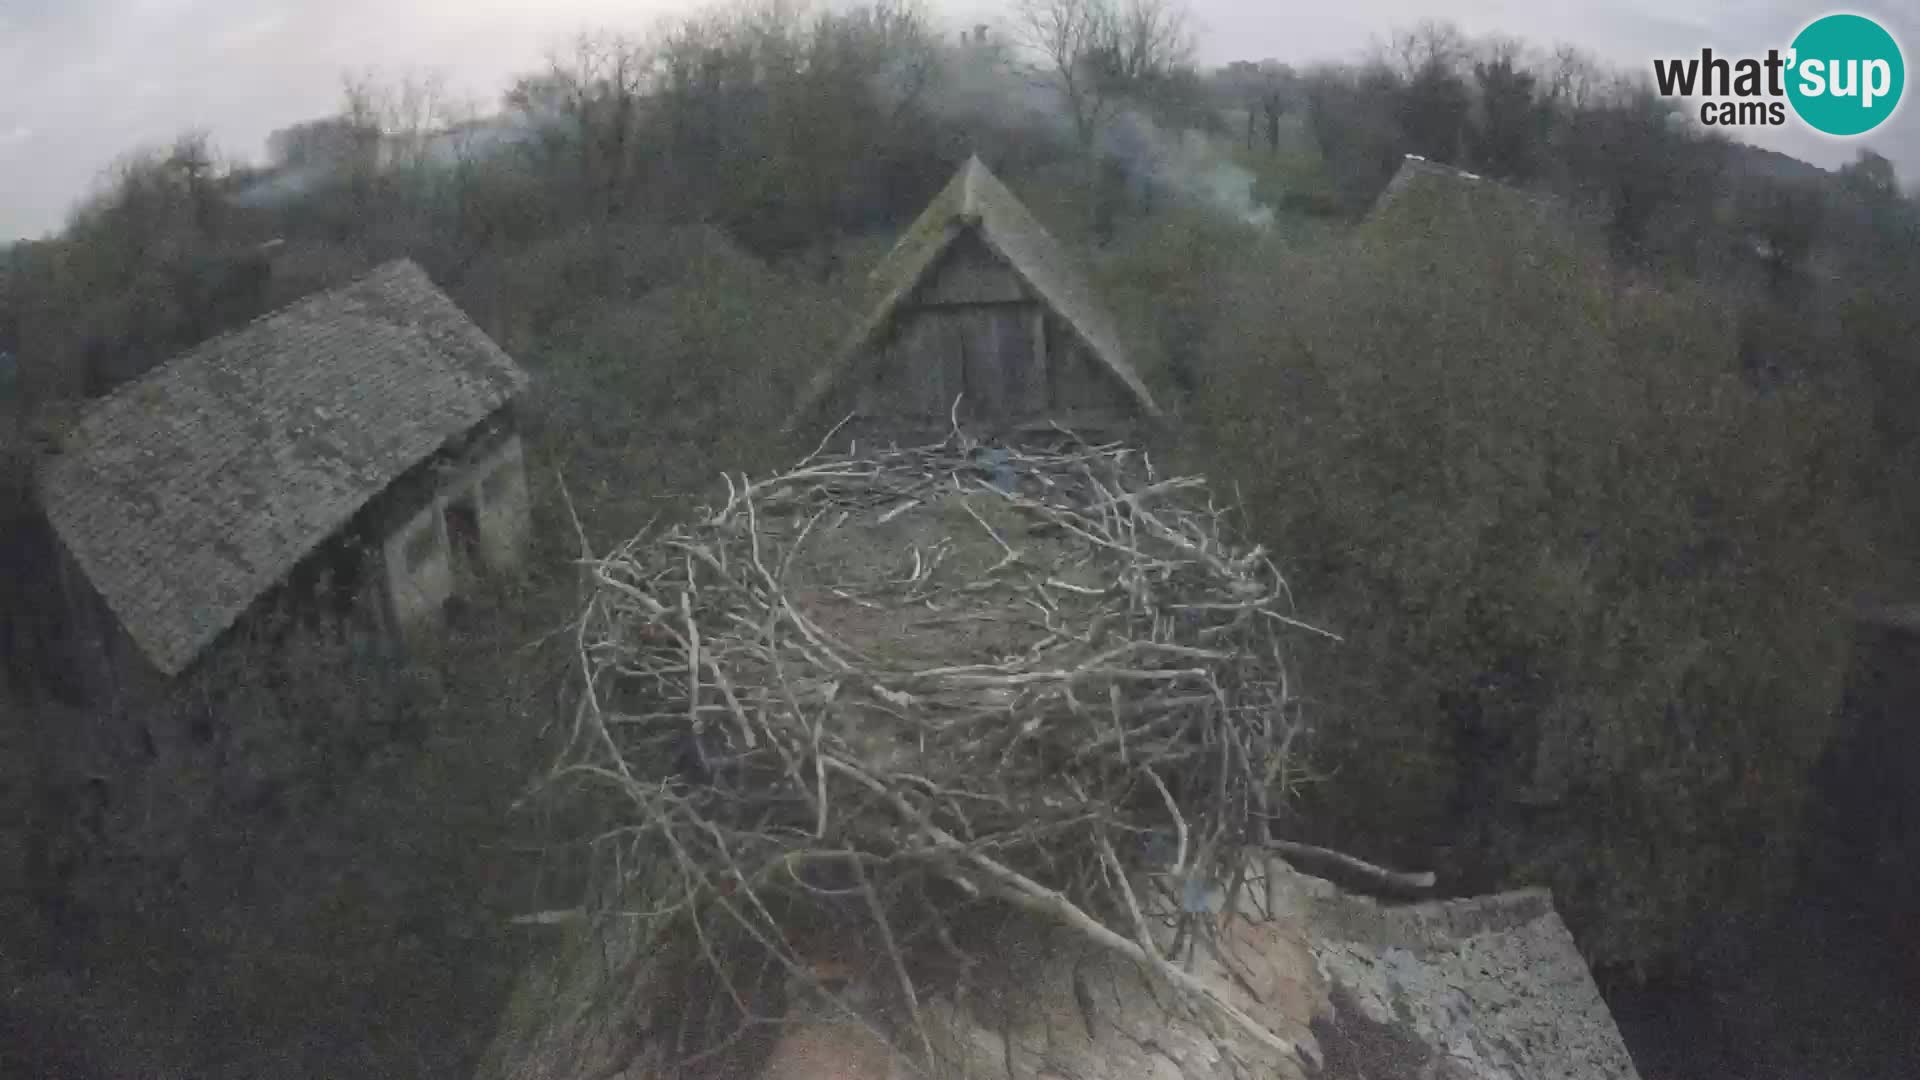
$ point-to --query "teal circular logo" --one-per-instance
(1846, 75)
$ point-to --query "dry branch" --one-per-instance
(1356, 874)
(1068, 680)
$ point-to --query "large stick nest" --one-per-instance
(882, 690)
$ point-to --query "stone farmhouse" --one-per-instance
(355, 450)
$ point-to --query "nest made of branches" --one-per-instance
(884, 689)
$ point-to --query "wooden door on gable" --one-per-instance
(988, 356)
(999, 361)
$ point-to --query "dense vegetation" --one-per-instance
(1587, 573)
(1586, 480)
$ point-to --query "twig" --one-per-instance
(899, 963)
(1026, 893)
(1344, 869)
(1179, 822)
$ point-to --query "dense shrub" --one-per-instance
(1161, 278)
(692, 376)
(1589, 577)
(301, 861)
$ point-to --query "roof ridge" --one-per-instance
(187, 493)
(158, 370)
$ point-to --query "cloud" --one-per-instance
(241, 68)
(253, 32)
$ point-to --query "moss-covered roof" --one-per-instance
(187, 493)
(975, 200)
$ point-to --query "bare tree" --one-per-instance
(193, 163)
(1429, 61)
(1427, 46)
(1266, 90)
(887, 45)
(457, 121)
(1501, 49)
(1095, 53)
(155, 202)
(1151, 40)
(360, 113)
(1572, 78)
(1514, 115)
(415, 109)
(395, 119)
(594, 91)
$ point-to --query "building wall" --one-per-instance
(397, 546)
(991, 356)
(974, 331)
(970, 273)
(419, 567)
(497, 487)
(488, 481)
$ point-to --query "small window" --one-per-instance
(420, 546)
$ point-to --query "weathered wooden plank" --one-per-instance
(1003, 379)
(980, 362)
(938, 360)
(1025, 374)
(991, 355)
(970, 274)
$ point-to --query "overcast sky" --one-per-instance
(82, 81)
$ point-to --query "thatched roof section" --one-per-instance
(188, 493)
(976, 201)
(1419, 175)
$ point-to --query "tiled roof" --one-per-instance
(189, 492)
